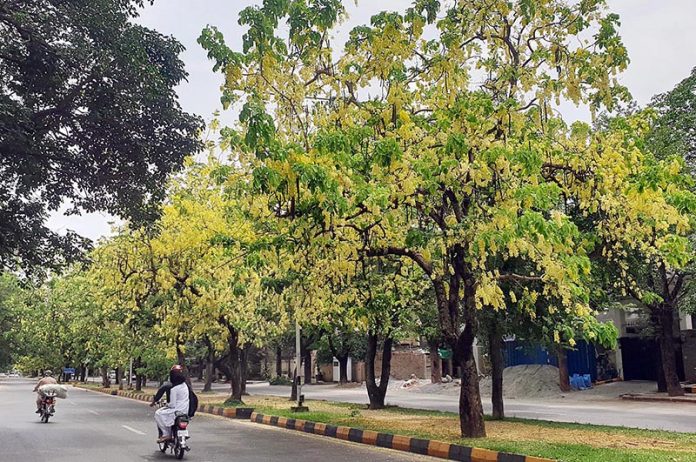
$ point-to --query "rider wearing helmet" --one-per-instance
(178, 401)
(47, 379)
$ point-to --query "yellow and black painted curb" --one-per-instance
(229, 412)
(402, 443)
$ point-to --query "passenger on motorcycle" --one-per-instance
(45, 380)
(178, 402)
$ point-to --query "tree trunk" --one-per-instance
(209, 368)
(435, 362)
(118, 376)
(138, 377)
(449, 306)
(279, 361)
(668, 355)
(307, 358)
(377, 393)
(661, 382)
(181, 358)
(201, 368)
(244, 356)
(495, 348)
(106, 382)
(470, 407)
(343, 367)
(234, 365)
(83, 373)
(563, 375)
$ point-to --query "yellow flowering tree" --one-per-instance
(434, 150)
(640, 211)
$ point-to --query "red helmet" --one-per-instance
(177, 368)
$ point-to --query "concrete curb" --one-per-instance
(431, 448)
(229, 412)
(659, 399)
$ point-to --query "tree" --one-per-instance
(389, 294)
(89, 116)
(673, 133)
(673, 130)
(13, 302)
(641, 209)
(390, 150)
(212, 266)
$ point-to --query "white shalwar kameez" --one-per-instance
(178, 402)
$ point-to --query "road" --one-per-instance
(93, 427)
(614, 412)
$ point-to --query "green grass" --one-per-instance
(585, 443)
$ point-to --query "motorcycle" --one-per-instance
(178, 444)
(48, 406)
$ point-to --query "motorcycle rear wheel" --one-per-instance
(44, 417)
(180, 453)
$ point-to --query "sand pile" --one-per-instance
(527, 381)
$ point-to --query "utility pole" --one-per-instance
(298, 374)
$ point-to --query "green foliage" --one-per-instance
(673, 132)
(89, 117)
(280, 380)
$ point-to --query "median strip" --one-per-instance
(426, 447)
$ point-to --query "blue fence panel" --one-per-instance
(581, 361)
(518, 353)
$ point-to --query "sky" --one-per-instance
(658, 35)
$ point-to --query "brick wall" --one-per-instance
(405, 363)
(326, 372)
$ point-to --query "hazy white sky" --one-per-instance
(658, 34)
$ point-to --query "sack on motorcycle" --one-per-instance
(60, 390)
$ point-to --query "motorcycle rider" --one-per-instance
(178, 402)
(47, 379)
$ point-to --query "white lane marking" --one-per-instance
(132, 429)
(93, 412)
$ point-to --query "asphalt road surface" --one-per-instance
(93, 427)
